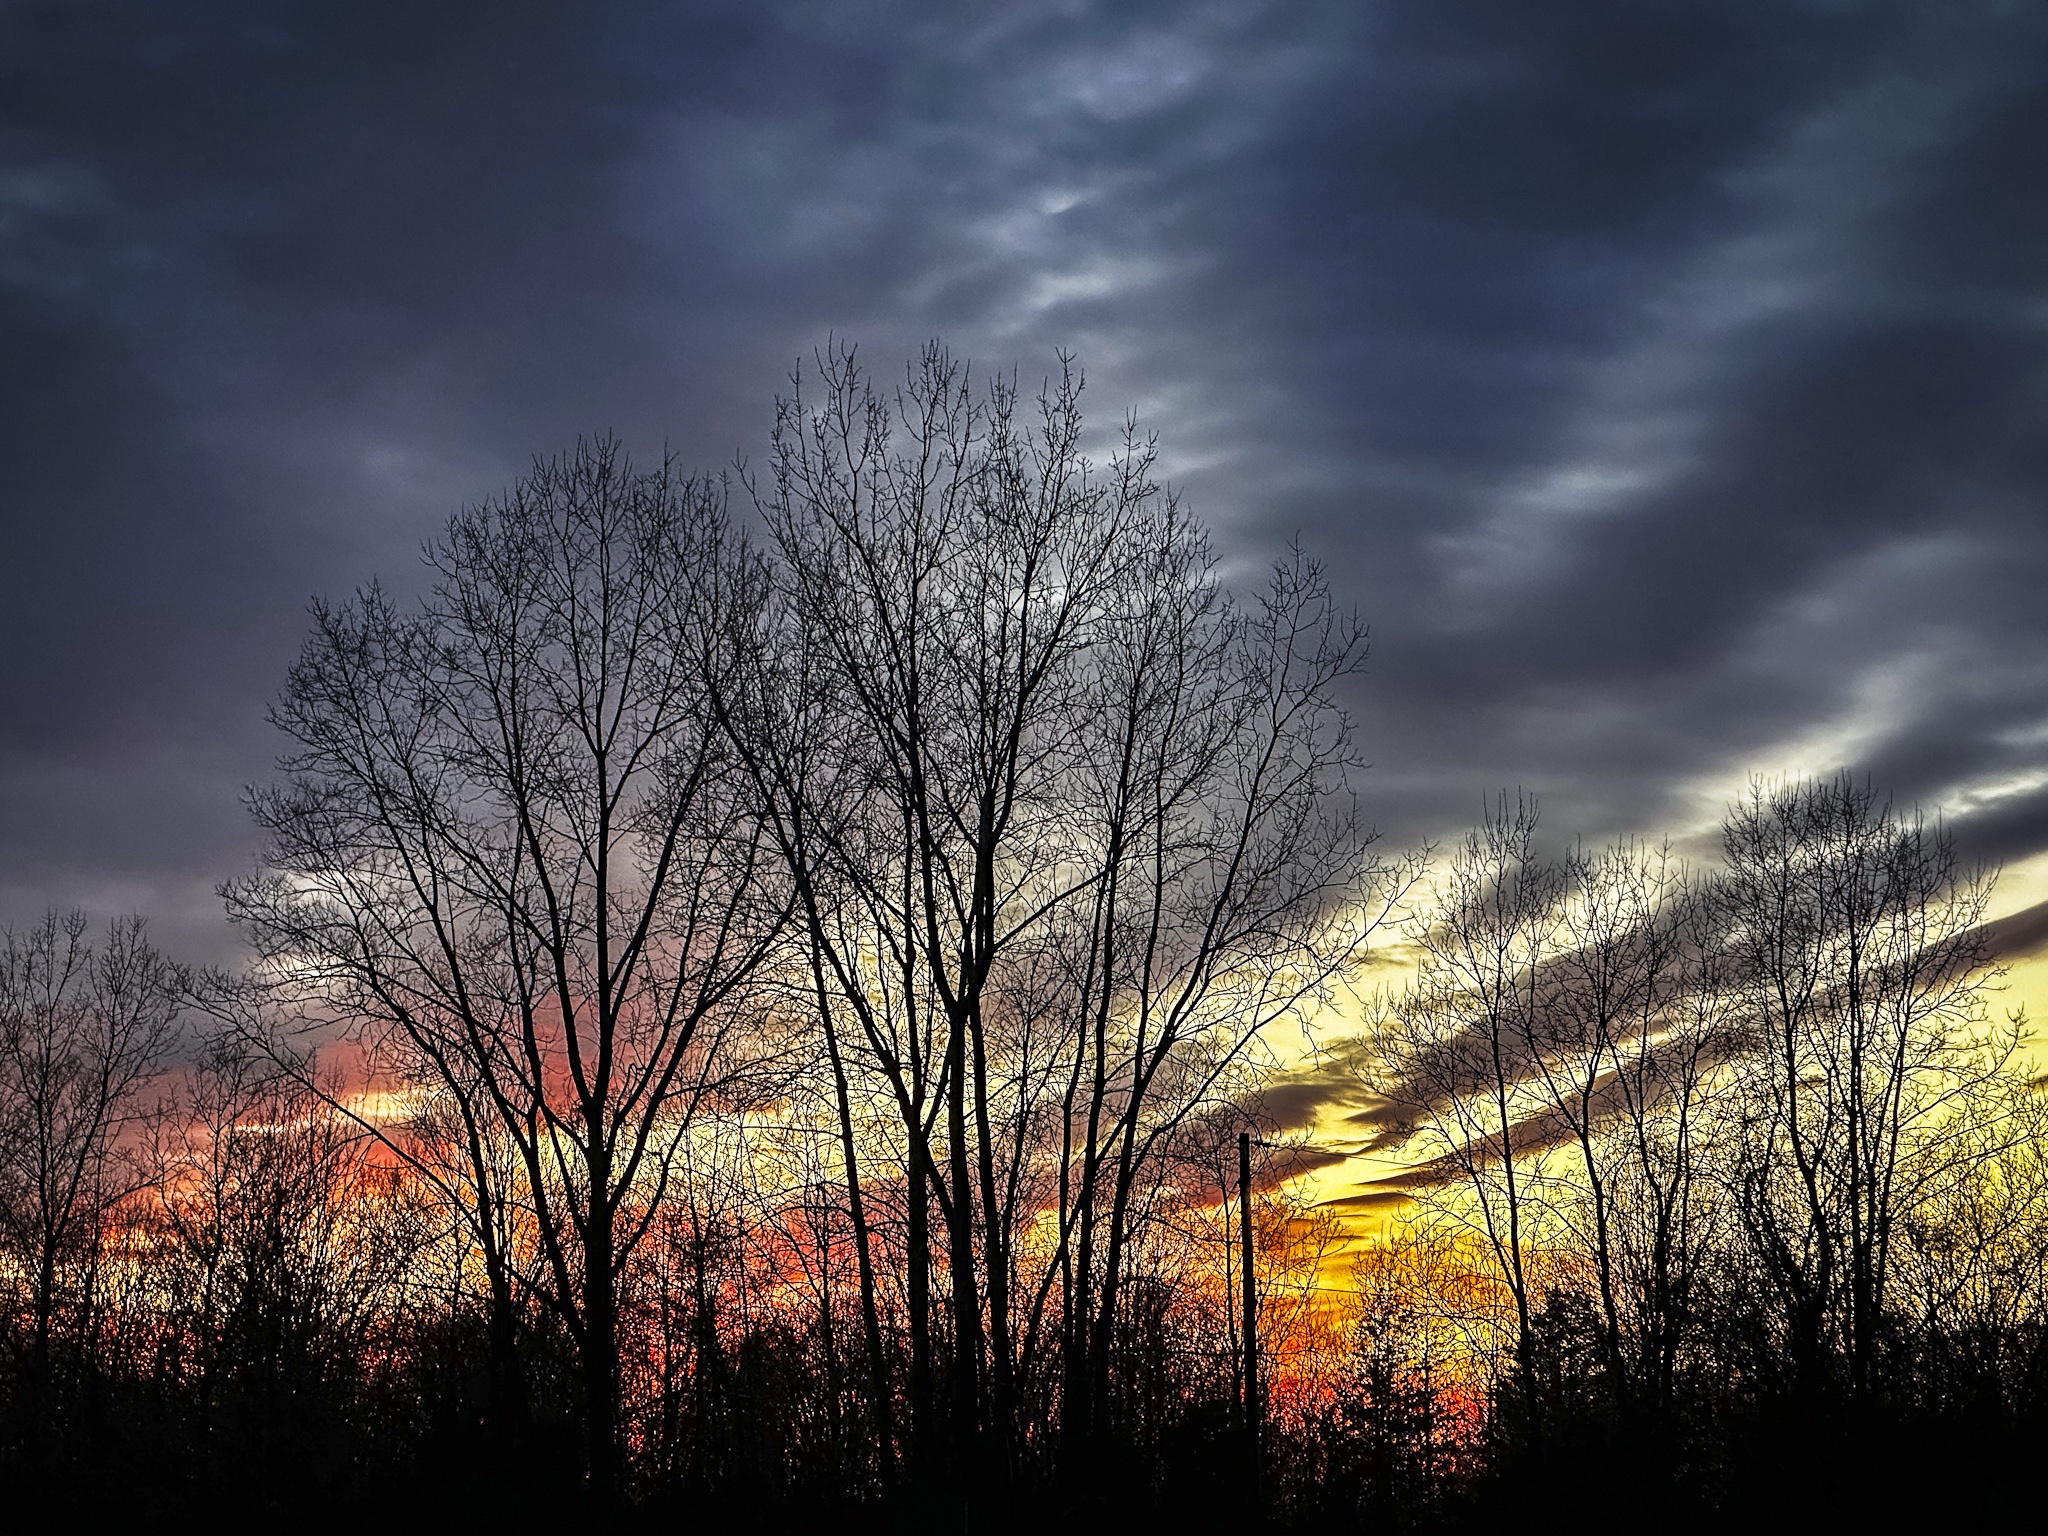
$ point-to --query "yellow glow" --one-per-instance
(382, 1106)
(2020, 885)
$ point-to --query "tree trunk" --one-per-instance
(881, 1397)
(600, 1356)
(965, 1408)
(918, 1276)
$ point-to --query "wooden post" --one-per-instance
(1252, 1406)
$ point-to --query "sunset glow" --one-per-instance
(1275, 767)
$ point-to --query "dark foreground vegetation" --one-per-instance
(295, 1398)
(816, 1022)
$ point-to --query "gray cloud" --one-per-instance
(1666, 383)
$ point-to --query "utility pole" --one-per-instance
(1252, 1405)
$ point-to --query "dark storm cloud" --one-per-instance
(1666, 382)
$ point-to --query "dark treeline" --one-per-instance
(756, 1013)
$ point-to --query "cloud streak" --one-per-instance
(1664, 384)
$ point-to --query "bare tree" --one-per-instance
(512, 850)
(1069, 828)
(1609, 1068)
(83, 1031)
(1630, 1023)
(1862, 977)
(1645, 982)
(1453, 1055)
(1233, 886)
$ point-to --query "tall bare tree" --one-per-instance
(1452, 1054)
(1612, 1069)
(1069, 827)
(1628, 1025)
(1643, 1010)
(1862, 976)
(512, 849)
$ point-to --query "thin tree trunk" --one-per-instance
(918, 1284)
(965, 1409)
(882, 1400)
(600, 1355)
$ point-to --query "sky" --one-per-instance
(1666, 384)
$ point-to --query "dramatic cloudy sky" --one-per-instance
(1667, 382)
